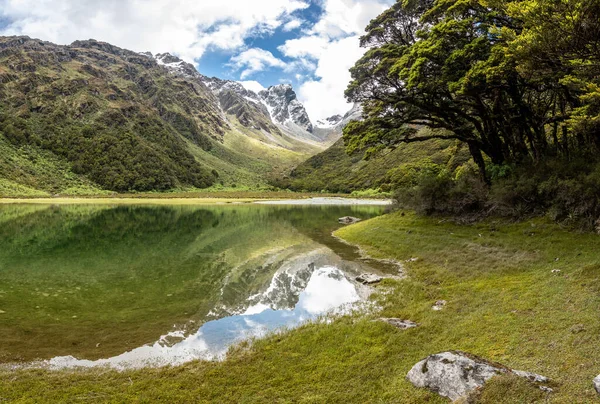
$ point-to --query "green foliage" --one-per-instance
(516, 81)
(335, 171)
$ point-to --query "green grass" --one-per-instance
(504, 304)
(335, 171)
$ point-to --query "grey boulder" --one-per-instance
(400, 324)
(368, 279)
(455, 374)
(348, 220)
(597, 384)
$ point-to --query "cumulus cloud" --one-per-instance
(292, 25)
(185, 27)
(333, 46)
(255, 60)
(324, 95)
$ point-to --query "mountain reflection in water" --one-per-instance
(327, 291)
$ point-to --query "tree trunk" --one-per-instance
(478, 158)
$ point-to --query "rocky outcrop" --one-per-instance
(284, 107)
(400, 324)
(455, 374)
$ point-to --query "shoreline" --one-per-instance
(331, 201)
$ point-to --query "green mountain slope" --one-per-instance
(335, 171)
(91, 116)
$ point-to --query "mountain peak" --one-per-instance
(285, 108)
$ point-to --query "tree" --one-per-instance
(460, 67)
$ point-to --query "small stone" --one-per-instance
(597, 384)
(348, 220)
(368, 279)
(400, 324)
(439, 305)
(2, 312)
(412, 260)
(577, 328)
(169, 295)
(74, 317)
(556, 271)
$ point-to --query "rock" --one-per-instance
(439, 305)
(455, 374)
(556, 271)
(348, 220)
(532, 377)
(597, 384)
(577, 328)
(400, 324)
(368, 279)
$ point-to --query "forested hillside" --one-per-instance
(91, 116)
(336, 171)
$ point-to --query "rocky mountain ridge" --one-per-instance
(279, 103)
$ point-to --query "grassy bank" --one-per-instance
(226, 195)
(504, 303)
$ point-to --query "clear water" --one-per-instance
(132, 286)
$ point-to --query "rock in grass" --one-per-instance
(439, 305)
(400, 324)
(455, 374)
(349, 220)
(369, 279)
(597, 384)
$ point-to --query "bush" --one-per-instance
(568, 191)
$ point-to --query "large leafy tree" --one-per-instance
(463, 69)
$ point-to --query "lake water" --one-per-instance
(132, 286)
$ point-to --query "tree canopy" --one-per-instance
(515, 80)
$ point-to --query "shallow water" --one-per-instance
(132, 286)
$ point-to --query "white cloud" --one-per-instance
(255, 60)
(324, 96)
(184, 27)
(292, 25)
(252, 86)
(333, 43)
(307, 46)
(348, 17)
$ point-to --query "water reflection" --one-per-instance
(327, 290)
(95, 281)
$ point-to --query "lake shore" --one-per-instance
(196, 201)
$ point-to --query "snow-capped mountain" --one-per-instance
(330, 122)
(284, 107)
(273, 110)
(278, 103)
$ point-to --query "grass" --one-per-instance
(504, 304)
(171, 198)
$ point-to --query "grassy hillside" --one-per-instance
(504, 303)
(335, 171)
(92, 116)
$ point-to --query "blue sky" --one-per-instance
(308, 43)
(214, 62)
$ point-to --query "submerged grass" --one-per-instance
(504, 304)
